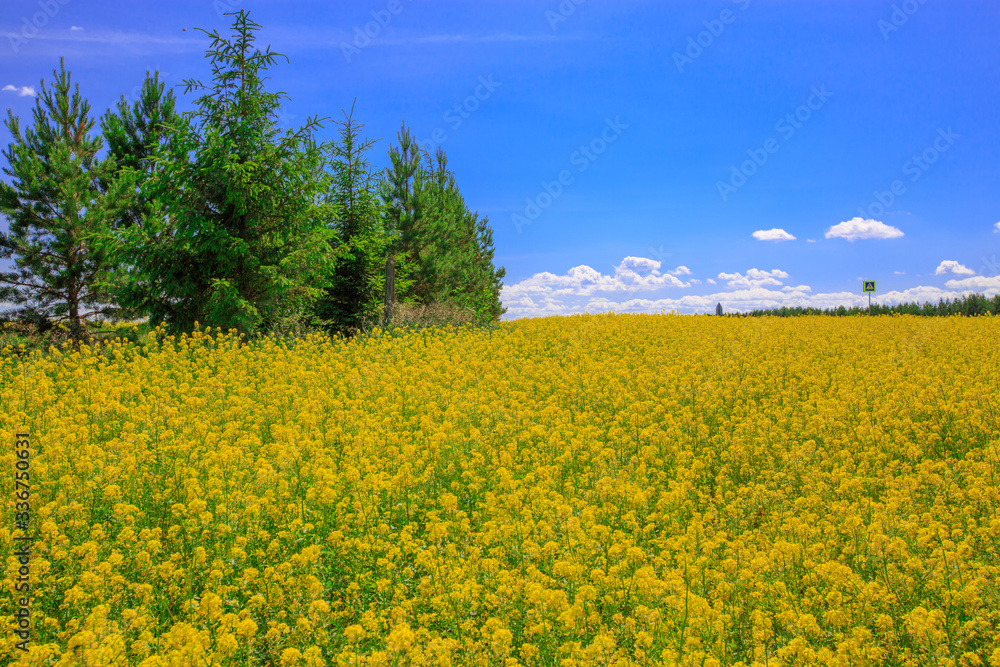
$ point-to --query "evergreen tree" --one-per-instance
(353, 301)
(459, 255)
(135, 136)
(401, 210)
(56, 208)
(238, 235)
(449, 250)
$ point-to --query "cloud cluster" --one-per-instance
(988, 285)
(773, 235)
(23, 91)
(997, 231)
(951, 266)
(858, 228)
(639, 285)
(753, 278)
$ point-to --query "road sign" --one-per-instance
(869, 286)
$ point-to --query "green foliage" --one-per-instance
(449, 250)
(971, 305)
(215, 216)
(56, 208)
(353, 302)
(134, 135)
(236, 234)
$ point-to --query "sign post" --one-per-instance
(869, 287)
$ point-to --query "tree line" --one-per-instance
(970, 305)
(218, 216)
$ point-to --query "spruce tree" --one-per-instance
(353, 301)
(238, 235)
(56, 208)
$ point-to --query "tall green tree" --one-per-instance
(449, 250)
(56, 208)
(136, 135)
(238, 235)
(353, 301)
(457, 259)
(401, 210)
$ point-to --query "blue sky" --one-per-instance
(636, 155)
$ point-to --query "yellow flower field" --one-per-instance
(590, 490)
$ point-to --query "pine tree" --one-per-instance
(449, 250)
(456, 255)
(56, 208)
(135, 136)
(353, 302)
(401, 210)
(238, 236)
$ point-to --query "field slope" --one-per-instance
(603, 489)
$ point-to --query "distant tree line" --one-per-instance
(218, 216)
(971, 305)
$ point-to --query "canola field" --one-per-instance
(587, 490)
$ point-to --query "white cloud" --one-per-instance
(997, 231)
(741, 300)
(90, 43)
(900, 273)
(810, 240)
(984, 284)
(710, 281)
(75, 27)
(753, 278)
(773, 235)
(680, 271)
(951, 266)
(639, 264)
(23, 91)
(634, 274)
(857, 228)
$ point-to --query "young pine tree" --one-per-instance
(56, 208)
(401, 211)
(239, 236)
(455, 248)
(135, 136)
